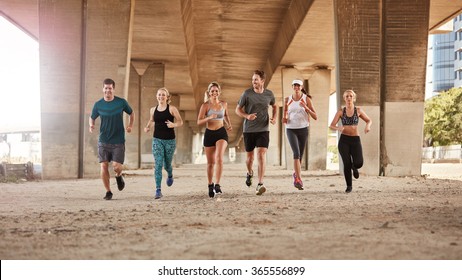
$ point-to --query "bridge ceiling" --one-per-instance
(200, 41)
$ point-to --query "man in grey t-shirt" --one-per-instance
(253, 106)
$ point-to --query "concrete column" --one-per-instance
(133, 156)
(405, 51)
(61, 28)
(184, 142)
(106, 50)
(319, 85)
(197, 147)
(378, 41)
(150, 81)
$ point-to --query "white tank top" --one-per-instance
(297, 116)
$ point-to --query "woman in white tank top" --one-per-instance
(297, 111)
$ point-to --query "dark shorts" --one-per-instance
(212, 136)
(111, 152)
(256, 139)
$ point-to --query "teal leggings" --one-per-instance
(162, 151)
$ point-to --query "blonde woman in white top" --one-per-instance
(297, 111)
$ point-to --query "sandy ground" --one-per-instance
(383, 218)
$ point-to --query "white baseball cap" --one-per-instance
(298, 82)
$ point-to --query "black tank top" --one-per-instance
(353, 120)
(161, 130)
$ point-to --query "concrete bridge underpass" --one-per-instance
(378, 48)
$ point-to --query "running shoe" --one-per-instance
(217, 189)
(248, 181)
(120, 182)
(170, 181)
(158, 194)
(355, 173)
(108, 196)
(260, 189)
(211, 190)
(298, 182)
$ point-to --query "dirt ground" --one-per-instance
(383, 218)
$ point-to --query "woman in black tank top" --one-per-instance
(163, 142)
(349, 145)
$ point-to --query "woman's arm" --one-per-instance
(178, 120)
(309, 108)
(201, 118)
(333, 125)
(365, 118)
(227, 121)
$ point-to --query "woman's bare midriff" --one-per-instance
(214, 125)
(350, 130)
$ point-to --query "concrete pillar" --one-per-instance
(197, 147)
(106, 52)
(406, 28)
(319, 85)
(133, 155)
(61, 28)
(151, 80)
(273, 158)
(378, 41)
(184, 142)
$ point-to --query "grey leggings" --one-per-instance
(297, 139)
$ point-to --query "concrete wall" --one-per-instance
(381, 48)
(60, 42)
(79, 47)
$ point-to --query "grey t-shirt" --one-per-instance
(253, 102)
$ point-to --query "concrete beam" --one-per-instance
(187, 103)
(293, 19)
(187, 15)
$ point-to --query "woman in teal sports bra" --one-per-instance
(214, 114)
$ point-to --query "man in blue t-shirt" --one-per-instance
(111, 142)
(253, 107)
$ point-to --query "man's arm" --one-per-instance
(91, 123)
(240, 112)
(275, 114)
(130, 122)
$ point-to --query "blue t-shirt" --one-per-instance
(112, 129)
(253, 102)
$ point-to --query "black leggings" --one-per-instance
(351, 152)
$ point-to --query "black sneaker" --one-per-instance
(211, 190)
(248, 181)
(108, 196)
(355, 173)
(217, 189)
(349, 189)
(120, 182)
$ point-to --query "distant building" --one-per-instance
(444, 68)
(458, 51)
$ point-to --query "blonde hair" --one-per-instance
(164, 89)
(212, 84)
(352, 92)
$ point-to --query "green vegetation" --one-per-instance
(443, 119)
